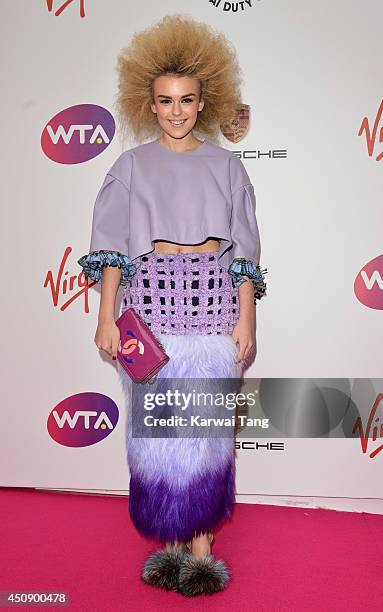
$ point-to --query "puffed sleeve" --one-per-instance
(246, 250)
(109, 244)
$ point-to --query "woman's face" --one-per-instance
(176, 103)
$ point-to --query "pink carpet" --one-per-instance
(281, 558)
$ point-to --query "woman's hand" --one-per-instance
(244, 334)
(107, 337)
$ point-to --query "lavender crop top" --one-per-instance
(152, 193)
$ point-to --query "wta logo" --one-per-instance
(130, 346)
(78, 133)
(368, 286)
(82, 419)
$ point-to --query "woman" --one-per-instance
(174, 223)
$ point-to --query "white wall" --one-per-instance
(312, 74)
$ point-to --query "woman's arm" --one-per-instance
(107, 334)
(245, 330)
(108, 261)
(246, 252)
(109, 287)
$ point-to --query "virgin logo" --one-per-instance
(374, 426)
(371, 134)
(78, 133)
(64, 5)
(68, 286)
(368, 286)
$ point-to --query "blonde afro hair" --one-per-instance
(177, 45)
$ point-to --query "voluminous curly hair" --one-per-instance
(177, 45)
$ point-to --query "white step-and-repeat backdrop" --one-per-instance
(313, 147)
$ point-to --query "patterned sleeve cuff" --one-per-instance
(93, 263)
(241, 266)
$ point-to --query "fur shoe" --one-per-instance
(162, 568)
(206, 575)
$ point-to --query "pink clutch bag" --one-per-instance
(141, 354)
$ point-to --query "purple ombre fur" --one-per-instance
(169, 513)
(182, 486)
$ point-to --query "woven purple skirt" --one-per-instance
(182, 486)
(183, 293)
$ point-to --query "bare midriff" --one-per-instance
(161, 246)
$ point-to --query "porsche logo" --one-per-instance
(236, 128)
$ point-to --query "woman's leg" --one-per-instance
(200, 546)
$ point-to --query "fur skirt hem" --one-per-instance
(182, 486)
